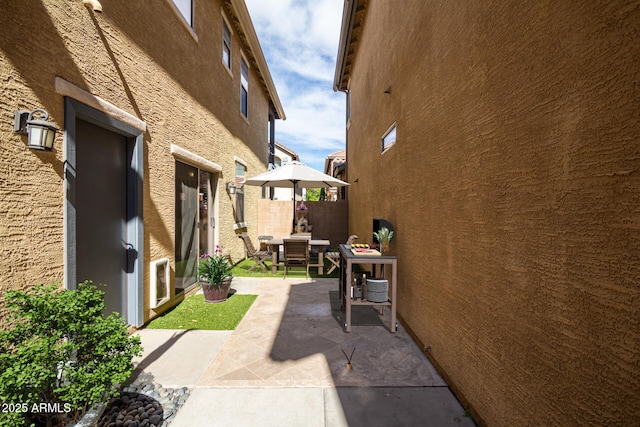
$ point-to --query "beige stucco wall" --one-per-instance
(140, 58)
(275, 218)
(328, 219)
(514, 188)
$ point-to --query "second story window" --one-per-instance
(244, 88)
(226, 44)
(186, 9)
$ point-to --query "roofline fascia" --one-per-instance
(287, 150)
(252, 38)
(348, 16)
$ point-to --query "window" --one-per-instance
(244, 88)
(389, 138)
(226, 44)
(241, 171)
(186, 9)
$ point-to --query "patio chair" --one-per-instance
(296, 254)
(263, 242)
(334, 256)
(258, 257)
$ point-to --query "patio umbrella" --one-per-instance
(295, 175)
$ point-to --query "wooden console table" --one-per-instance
(347, 260)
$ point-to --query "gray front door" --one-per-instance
(102, 247)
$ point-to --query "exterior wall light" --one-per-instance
(41, 132)
(93, 5)
(231, 188)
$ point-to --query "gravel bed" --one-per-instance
(143, 405)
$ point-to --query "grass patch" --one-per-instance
(242, 270)
(195, 313)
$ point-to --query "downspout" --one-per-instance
(272, 145)
(272, 139)
(347, 120)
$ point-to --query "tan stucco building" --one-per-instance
(283, 155)
(160, 105)
(335, 166)
(501, 139)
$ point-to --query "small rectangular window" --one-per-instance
(389, 138)
(186, 9)
(244, 88)
(226, 44)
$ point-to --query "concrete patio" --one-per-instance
(284, 365)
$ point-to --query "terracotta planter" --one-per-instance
(214, 294)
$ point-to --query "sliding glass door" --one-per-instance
(206, 215)
(194, 221)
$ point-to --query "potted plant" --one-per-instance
(383, 236)
(215, 276)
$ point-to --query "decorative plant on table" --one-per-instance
(383, 236)
(215, 276)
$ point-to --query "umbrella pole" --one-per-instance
(293, 228)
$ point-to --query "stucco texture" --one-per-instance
(328, 220)
(514, 189)
(139, 57)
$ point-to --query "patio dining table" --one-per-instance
(321, 244)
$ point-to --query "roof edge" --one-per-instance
(348, 16)
(287, 149)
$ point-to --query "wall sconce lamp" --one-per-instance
(231, 188)
(41, 132)
(93, 5)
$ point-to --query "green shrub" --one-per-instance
(60, 355)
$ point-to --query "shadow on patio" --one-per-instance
(293, 338)
(312, 325)
(285, 365)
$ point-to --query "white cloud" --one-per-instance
(300, 42)
(311, 23)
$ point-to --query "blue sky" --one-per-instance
(299, 39)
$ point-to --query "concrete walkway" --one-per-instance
(285, 365)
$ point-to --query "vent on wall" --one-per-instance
(160, 281)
